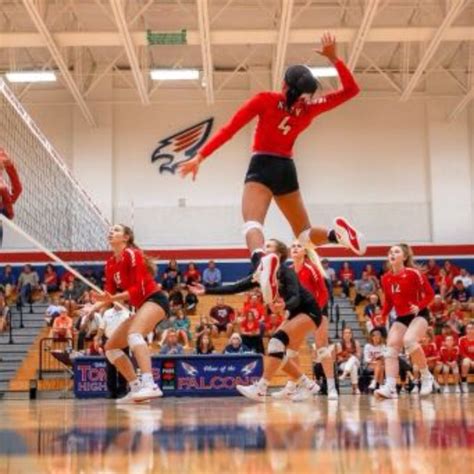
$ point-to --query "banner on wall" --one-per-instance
(188, 375)
(181, 147)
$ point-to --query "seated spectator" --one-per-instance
(91, 276)
(432, 358)
(52, 311)
(222, 316)
(459, 293)
(456, 322)
(449, 356)
(346, 278)
(94, 349)
(50, 280)
(66, 280)
(176, 300)
(374, 358)
(432, 272)
(8, 281)
(373, 316)
(172, 276)
(251, 332)
(372, 274)
(364, 288)
(212, 276)
(466, 279)
(206, 327)
(192, 274)
(161, 329)
(331, 278)
(272, 322)
(235, 345)
(466, 349)
(204, 345)
(88, 325)
(62, 326)
(451, 270)
(438, 312)
(171, 345)
(182, 326)
(254, 302)
(5, 315)
(28, 283)
(348, 354)
(190, 302)
(444, 282)
(446, 331)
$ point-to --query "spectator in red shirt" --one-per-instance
(254, 302)
(449, 356)
(466, 348)
(62, 326)
(67, 280)
(272, 323)
(192, 274)
(250, 330)
(438, 313)
(222, 316)
(444, 282)
(446, 331)
(50, 280)
(451, 269)
(346, 278)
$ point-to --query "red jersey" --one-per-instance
(406, 288)
(438, 308)
(449, 354)
(273, 323)
(430, 350)
(248, 326)
(277, 129)
(378, 320)
(311, 278)
(466, 348)
(258, 309)
(346, 274)
(67, 277)
(9, 197)
(439, 340)
(129, 273)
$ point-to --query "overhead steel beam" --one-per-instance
(53, 48)
(282, 42)
(400, 34)
(368, 18)
(127, 42)
(454, 9)
(205, 40)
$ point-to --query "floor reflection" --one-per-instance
(223, 435)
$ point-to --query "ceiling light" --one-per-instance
(324, 71)
(174, 74)
(31, 76)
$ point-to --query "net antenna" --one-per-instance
(54, 212)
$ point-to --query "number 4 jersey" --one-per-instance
(277, 129)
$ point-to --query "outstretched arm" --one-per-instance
(238, 286)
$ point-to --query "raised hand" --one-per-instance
(328, 47)
(190, 167)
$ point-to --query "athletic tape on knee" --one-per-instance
(114, 354)
(135, 339)
(323, 353)
(304, 237)
(390, 352)
(249, 225)
(411, 346)
(291, 354)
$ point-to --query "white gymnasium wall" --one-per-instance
(397, 169)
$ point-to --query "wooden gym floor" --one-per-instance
(233, 435)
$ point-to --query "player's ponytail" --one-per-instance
(408, 259)
(299, 80)
(150, 265)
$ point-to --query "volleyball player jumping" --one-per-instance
(129, 277)
(304, 316)
(409, 293)
(282, 116)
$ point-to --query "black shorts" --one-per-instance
(275, 172)
(161, 300)
(311, 310)
(407, 319)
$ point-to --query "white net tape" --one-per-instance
(53, 207)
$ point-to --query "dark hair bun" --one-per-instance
(300, 80)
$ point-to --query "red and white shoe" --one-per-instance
(266, 275)
(349, 237)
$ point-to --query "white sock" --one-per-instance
(262, 384)
(134, 385)
(391, 382)
(331, 384)
(147, 378)
(425, 372)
